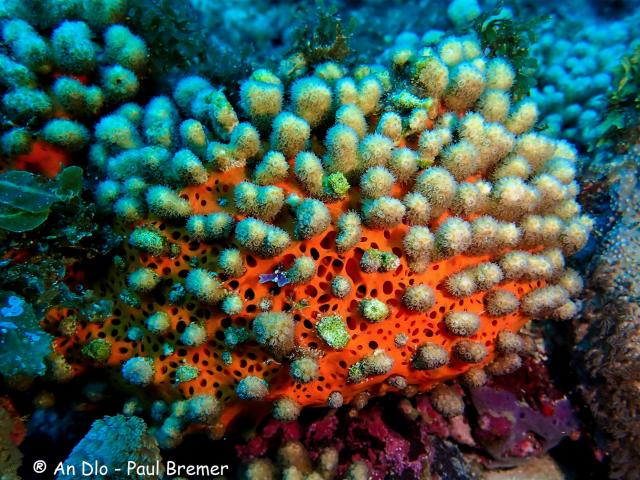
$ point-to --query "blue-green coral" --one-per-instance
(113, 442)
(24, 346)
(73, 49)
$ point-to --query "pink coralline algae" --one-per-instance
(274, 432)
(511, 418)
(382, 448)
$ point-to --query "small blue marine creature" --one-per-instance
(279, 276)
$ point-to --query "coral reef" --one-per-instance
(607, 334)
(214, 216)
(115, 441)
(415, 180)
(578, 65)
(200, 186)
(48, 231)
(411, 437)
(24, 346)
(59, 73)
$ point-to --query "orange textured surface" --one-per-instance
(43, 158)
(220, 379)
